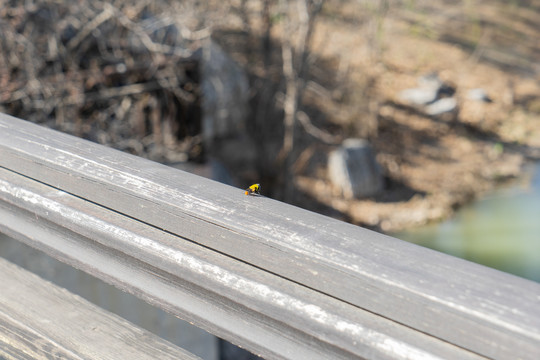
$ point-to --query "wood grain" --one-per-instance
(265, 313)
(39, 320)
(454, 301)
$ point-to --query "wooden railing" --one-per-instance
(277, 280)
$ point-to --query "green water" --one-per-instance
(501, 231)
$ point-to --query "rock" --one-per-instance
(426, 92)
(419, 96)
(353, 169)
(441, 106)
(224, 92)
(478, 94)
(431, 80)
(433, 96)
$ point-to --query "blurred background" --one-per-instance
(420, 119)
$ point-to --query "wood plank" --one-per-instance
(486, 311)
(265, 313)
(39, 320)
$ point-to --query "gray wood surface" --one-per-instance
(265, 313)
(407, 291)
(39, 320)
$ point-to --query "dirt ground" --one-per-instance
(432, 165)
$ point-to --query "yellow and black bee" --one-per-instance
(254, 189)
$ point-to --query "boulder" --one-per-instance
(354, 171)
(418, 96)
(426, 92)
(432, 96)
(442, 106)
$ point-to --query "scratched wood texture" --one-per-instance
(268, 314)
(462, 304)
(39, 320)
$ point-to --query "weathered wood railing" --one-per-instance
(278, 280)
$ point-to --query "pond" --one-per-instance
(501, 230)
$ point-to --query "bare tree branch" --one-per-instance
(298, 29)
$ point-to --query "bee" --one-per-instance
(254, 189)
